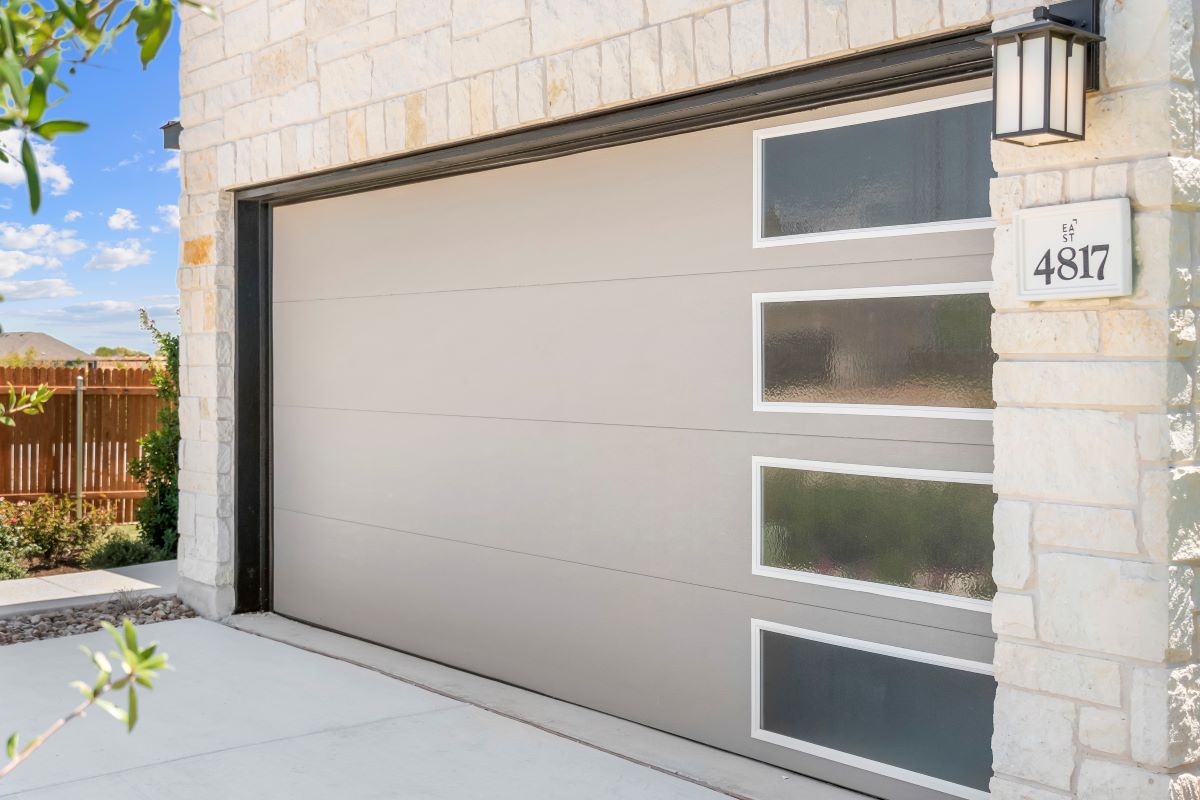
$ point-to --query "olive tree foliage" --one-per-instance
(138, 666)
(41, 44)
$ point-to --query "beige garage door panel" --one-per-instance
(672, 352)
(675, 206)
(667, 502)
(670, 654)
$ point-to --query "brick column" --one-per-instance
(1098, 523)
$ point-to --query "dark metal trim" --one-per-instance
(933, 62)
(252, 409)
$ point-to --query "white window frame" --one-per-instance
(891, 112)
(912, 290)
(853, 584)
(758, 626)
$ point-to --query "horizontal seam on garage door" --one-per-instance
(403, 412)
(376, 526)
(670, 276)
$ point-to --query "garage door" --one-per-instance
(693, 431)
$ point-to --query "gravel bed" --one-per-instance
(84, 619)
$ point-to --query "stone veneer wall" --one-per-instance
(1098, 524)
(1098, 527)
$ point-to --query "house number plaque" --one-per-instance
(1074, 251)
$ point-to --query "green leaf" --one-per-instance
(31, 175)
(11, 746)
(48, 130)
(102, 663)
(133, 712)
(130, 636)
(115, 711)
(84, 689)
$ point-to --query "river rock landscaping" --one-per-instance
(84, 619)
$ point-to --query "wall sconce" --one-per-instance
(1041, 73)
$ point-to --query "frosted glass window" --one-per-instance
(919, 534)
(929, 350)
(919, 168)
(924, 718)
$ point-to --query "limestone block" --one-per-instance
(458, 109)
(1028, 666)
(531, 90)
(917, 16)
(410, 64)
(1057, 332)
(1126, 605)
(827, 31)
(395, 124)
(482, 104)
(645, 59)
(1124, 384)
(678, 55)
(473, 16)
(560, 24)
(560, 95)
(286, 20)
(787, 31)
(1078, 456)
(504, 95)
(345, 83)
(585, 77)
(1003, 789)
(415, 16)
(1111, 180)
(491, 49)
(867, 24)
(663, 10)
(1165, 715)
(1104, 730)
(747, 36)
(376, 131)
(246, 28)
(1105, 780)
(301, 104)
(1012, 615)
(1012, 562)
(1034, 737)
(328, 16)
(357, 37)
(1132, 333)
(959, 12)
(712, 46)
(1143, 48)
(614, 70)
(1085, 528)
(426, 122)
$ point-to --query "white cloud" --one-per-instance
(116, 256)
(39, 238)
(13, 261)
(123, 220)
(72, 215)
(170, 165)
(170, 215)
(54, 175)
(44, 289)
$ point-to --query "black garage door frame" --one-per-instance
(912, 65)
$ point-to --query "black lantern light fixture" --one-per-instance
(1042, 72)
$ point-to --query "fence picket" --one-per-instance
(37, 456)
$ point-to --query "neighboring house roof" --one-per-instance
(44, 345)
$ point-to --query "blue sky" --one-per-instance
(106, 239)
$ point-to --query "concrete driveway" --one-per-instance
(246, 717)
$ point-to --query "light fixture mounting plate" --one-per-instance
(1085, 15)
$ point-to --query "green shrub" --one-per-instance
(120, 549)
(47, 529)
(12, 550)
(158, 467)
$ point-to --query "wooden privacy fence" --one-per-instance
(37, 457)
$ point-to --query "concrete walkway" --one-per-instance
(34, 595)
(243, 716)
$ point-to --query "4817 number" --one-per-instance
(1070, 263)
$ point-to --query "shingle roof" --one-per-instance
(44, 345)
